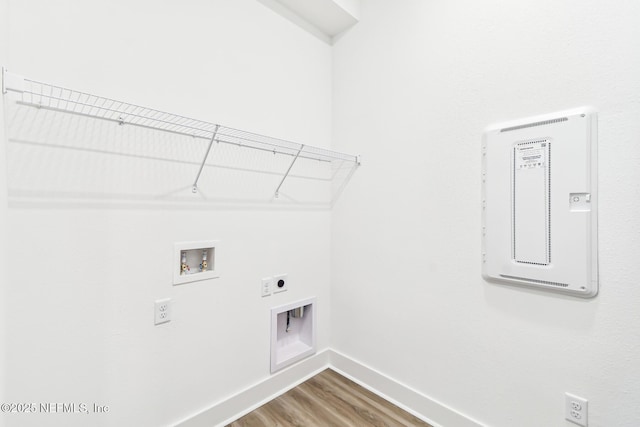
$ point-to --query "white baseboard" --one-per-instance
(234, 407)
(412, 401)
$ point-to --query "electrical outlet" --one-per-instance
(281, 283)
(267, 286)
(163, 311)
(575, 409)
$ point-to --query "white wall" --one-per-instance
(3, 202)
(88, 262)
(415, 84)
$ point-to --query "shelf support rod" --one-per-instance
(204, 160)
(288, 170)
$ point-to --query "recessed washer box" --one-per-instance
(194, 261)
(539, 202)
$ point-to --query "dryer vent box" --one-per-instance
(539, 207)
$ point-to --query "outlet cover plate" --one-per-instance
(163, 311)
(280, 283)
(575, 409)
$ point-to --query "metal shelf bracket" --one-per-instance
(288, 170)
(194, 189)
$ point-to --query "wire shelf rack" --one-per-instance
(47, 96)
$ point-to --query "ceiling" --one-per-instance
(324, 18)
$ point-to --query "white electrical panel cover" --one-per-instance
(539, 202)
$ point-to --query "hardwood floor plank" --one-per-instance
(329, 400)
(347, 399)
(368, 405)
(325, 402)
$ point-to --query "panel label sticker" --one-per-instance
(531, 154)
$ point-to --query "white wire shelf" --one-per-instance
(47, 96)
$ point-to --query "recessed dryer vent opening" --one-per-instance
(293, 333)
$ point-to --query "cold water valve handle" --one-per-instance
(203, 264)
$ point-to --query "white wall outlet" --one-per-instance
(575, 409)
(267, 286)
(163, 311)
(280, 283)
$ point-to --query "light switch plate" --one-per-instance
(267, 286)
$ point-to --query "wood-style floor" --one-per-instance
(328, 400)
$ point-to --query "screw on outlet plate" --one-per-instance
(576, 409)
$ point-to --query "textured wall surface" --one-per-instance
(415, 84)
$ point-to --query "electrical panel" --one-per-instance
(539, 202)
